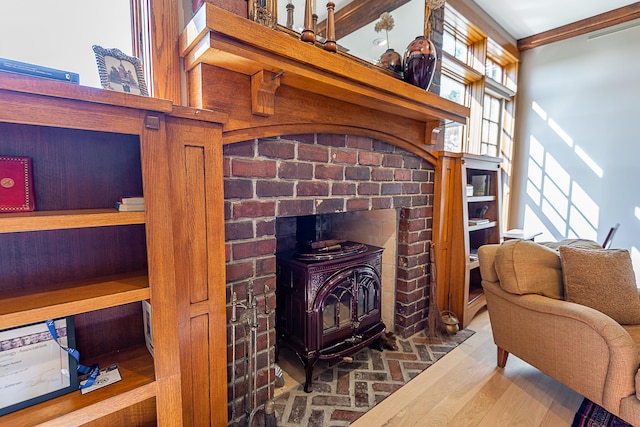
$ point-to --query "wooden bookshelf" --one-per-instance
(72, 298)
(76, 255)
(460, 284)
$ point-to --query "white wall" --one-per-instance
(577, 164)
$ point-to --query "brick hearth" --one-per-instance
(315, 175)
(344, 391)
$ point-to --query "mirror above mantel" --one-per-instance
(355, 22)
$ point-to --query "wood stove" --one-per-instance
(328, 301)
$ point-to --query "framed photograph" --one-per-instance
(120, 72)
(33, 367)
(480, 185)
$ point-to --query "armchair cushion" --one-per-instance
(525, 267)
(603, 280)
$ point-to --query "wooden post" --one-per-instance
(308, 35)
(330, 42)
(290, 8)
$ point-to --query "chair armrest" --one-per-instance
(581, 347)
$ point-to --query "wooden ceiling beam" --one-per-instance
(594, 23)
(359, 13)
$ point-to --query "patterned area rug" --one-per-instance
(343, 391)
(592, 415)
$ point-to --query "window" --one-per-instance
(491, 121)
(59, 34)
(453, 90)
(494, 70)
(454, 46)
(479, 73)
(454, 132)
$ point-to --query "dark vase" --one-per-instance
(391, 60)
(420, 62)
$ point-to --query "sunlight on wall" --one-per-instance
(534, 183)
(552, 216)
(555, 196)
(561, 133)
(589, 162)
(559, 206)
(539, 111)
(579, 226)
(585, 204)
(558, 174)
(534, 222)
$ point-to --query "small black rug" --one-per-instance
(592, 415)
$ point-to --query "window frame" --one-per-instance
(473, 73)
(155, 31)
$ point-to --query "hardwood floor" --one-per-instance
(466, 388)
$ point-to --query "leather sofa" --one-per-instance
(577, 345)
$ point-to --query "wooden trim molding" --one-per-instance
(161, 48)
(594, 23)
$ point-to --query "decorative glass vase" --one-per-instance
(420, 62)
(391, 60)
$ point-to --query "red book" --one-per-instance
(16, 184)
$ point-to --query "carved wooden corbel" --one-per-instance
(263, 92)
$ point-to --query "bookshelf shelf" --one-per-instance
(137, 385)
(69, 299)
(65, 219)
(473, 199)
(488, 225)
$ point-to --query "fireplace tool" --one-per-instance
(246, 322)
(249, 320)
(234, 322)
(265, 412)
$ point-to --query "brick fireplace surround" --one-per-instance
(300, 175)
(302, 131)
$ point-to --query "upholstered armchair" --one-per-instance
(529, 289)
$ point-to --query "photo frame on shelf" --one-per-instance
(480, 185)
(35, 368)
(119, 71)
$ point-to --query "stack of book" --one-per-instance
(17, 67)
(130, 204)
(478, 221)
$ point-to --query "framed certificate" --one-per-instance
(33, 367)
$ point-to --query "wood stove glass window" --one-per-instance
(366, 295)
(336, 312)
(337, 308)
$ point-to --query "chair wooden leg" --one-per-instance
(502, 357)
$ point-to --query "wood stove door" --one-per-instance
(348, 302)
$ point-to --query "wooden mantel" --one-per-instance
(271, 83)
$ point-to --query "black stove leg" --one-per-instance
(309, 363)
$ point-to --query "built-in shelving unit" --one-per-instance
(471, 209)
(76, 255)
